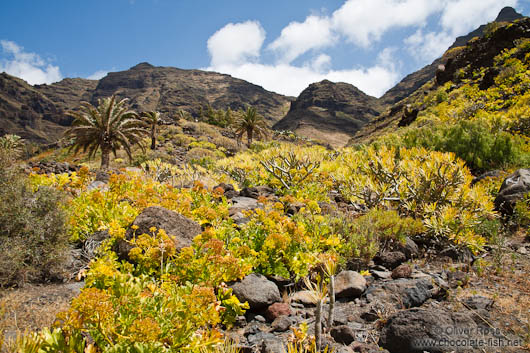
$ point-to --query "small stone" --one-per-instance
(281, 324)
(381, 274)
(276, 310)
(259, 318)
(402, 271)
(303, 297)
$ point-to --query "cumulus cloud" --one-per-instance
(236, 43)
(236, 48)
(28, 66)
(462, 16)
(299, 37)
(426, 47)
(98, 75)
(291, 80)
(365, 21)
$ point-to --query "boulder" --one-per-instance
(181, 228)
(514, 187)
(257, 290)
(402, 293)
(349, 284)
(417, 330)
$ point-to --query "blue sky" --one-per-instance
(280, 45)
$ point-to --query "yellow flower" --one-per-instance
(152, 229)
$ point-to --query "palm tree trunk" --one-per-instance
(153, 138)
(249, 136)
(105, 157)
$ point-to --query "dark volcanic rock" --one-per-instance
(408, 330)
(390, 259)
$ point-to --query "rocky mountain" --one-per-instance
(333, 111)
(28, 113)
(417, 79)
(169, 90)
(37, 113)
(330, 112)
(457, 65)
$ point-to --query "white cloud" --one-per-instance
(462, 16)
(321, 63)
(28, 66)
(98, 75)
(365, 21)
(299, 37)
(291, 80)
(236, 43)
(236, 48)
(425, 47)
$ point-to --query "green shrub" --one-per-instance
(376, 230)
(472, 141)
(33, 237)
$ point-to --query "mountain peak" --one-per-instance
(508, 14)
(141, 66)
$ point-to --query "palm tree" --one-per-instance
(251, 123)
(153, 120)
(108, 127)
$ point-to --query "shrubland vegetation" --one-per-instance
(414, 183)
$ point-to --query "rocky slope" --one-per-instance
(417, 79)
(169, 90)
(37, 113)
(331, 112)
(27, 112)
(457, 64)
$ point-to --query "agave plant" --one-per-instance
(107, 127)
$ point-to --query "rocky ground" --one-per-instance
(410, 299)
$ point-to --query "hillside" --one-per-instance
(169, 90)
(330, 112)
(37, 113)
(415, 80)
(477, 67)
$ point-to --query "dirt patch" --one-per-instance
(34, 306)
